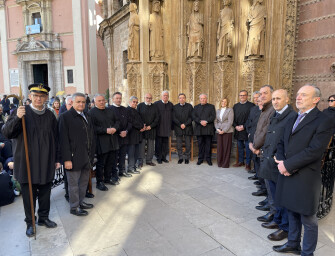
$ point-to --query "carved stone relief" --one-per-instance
(253, 73)
(196, 80)
(223, 79)
(157, 78)
(134, 34)
(134, 79)
(195, 33)
(225, 32)
(156, 44)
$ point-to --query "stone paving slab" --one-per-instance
(171, 209)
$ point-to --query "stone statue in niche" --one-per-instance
(255, 47)
(195, 33)
(156, 47)
(225, 31)
(134, 34)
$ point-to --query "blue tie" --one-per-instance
(300, 116)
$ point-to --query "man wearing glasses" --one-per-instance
(241, 114)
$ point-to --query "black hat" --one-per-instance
(41, 88)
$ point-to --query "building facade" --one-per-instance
(53, 42)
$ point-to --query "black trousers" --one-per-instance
(105, 165)
(133, 153)
(162, 147)
(42, 193)
(187, 147)
(121, 161)
(204, 144)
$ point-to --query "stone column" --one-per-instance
(134, 79)
(196, 80)
(223, 80)
(253, 74)
(157, 79)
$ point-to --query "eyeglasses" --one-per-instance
(243, 95)
(38, 96)
(331, 101)
(148, 98)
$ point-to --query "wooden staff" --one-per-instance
(27, 159)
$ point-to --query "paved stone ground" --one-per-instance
(172, 210)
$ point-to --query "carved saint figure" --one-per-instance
(195, 33)
(156, 32)
(256, 30)
(134, 34)
(225, 31)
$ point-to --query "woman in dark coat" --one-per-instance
(330, 111)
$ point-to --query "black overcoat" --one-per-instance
(182, 115)
(150, 117)
(330, 112)
(302, 152)
(77, 139)
(135, 136)
(42, 136)
(268, 167)
(103, 119)
(252, 121)
(241, 114)
(125, 124)
(207, 113)
(165, 120)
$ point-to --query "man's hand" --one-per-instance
(148, 128)
(203, 123)
(57, 166)
(111, 130)
(251, 147)
(11, 165)
(182, 126)
(21, 111)
(281, 167)
(68, 165)
(123, 134)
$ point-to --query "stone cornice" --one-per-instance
(2, 3)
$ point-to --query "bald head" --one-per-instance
(279, 99)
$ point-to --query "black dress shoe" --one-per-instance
(187, 161)
(78, 212)
(270, 225)
(30, 230)
(86, 206)
(266, 218)
(140, 166)
(285, 248)
(165, 160)
(180, 161)
(66, 197)
(261, 192)
(159, 162)
(125, 174)
(101, 186)
(112, 182)
(199, 162)
(264, 202)
(209, 163)
(257, 183)
(265, 208)
(253, 177)
(252, 171)
(151, 164)
(278, 235)
(135, 171)
(47, 223)
(89, 195)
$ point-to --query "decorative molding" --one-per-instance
(319, 57)
(316, 19)
(134, 79)
(330, 36)
(157, 78)
(253, 73)
(315, 78)
(224, 80)
(196, 80)
(309, 2)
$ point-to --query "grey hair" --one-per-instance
(269, 86)
(317, 91)
(165, 92)
(98, 95)
(256, 92)
(133, 98)
(203, 94)
(68, 98)
(78, 94)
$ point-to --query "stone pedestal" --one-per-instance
(223, 80)
(157, 79)
(196, 80)
(253, 74)
(134, 79)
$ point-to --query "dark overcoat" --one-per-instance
(125, 124)
(302, 152)
(251, 123)
(165, 118)
(77, 139)
(241, 114)
(135, 135)
(182, 115)
(207, 113)
(42, 136)
(268, 167)
(150, 117)
(103, 119)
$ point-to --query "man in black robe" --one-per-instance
(124, 128)
(164, 107)
(106, 123)
(41, 126)
(135, 134)
(150, 117)
(182, 119)
(77, 141)
(241, 114)
(204, 115)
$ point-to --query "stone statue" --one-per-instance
(256, 30)
(195, 33)
(225, 31)
(156, 32)
(134, 34)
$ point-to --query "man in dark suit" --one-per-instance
(182, 119)
(77, 143)
(299, 155)
(204, 115)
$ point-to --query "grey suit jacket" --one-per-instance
(226, 123)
